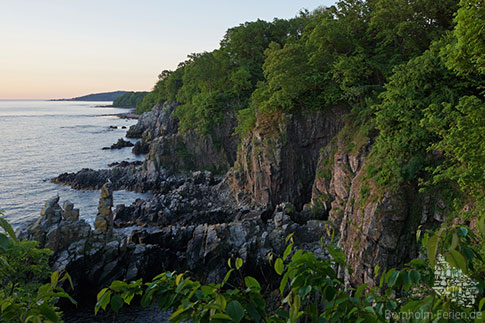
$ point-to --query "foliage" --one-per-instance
(24, 295)
(431, 122)
(129, 99)
(311, 290)
(466, 54)
(415, 86)
(461, 130)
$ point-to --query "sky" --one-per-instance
(63, 49)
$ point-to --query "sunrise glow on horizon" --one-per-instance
(63, 49)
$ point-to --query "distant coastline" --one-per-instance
(104, 96)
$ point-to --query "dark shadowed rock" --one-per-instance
(121, 143)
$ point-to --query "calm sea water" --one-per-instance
(42, 139)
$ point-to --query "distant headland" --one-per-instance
(105, 96)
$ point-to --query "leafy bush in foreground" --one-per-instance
(24, 295)
(311, 291)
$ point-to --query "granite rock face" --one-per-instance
(170, 149)
(57, 227)
(374, 227)
(155, 123)
(289, 171)
(278, 159)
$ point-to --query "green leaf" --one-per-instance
(377, 268)
(54, 278)
(175, 315)
(117, 286)
(239, 263)
(482, 303)
(278, 266)
(178, 279)
(49, 313)
(360, 291)
(415, 276)
(481, 225)
(284, 282)
(432, 248)
(116, 303)
(454, 242)
(104, 297)
(221, 316)
(251, 282)
(8, 228)
(456, 259)
(288, 237)
(287, 251)
(393, 278)
(462, 231)
(235, 311)
(4, 241)
(226, 278)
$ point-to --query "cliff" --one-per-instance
(277, 160)
(290, 173)
(170, 149)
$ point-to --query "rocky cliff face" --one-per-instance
(277, 161)
(289, 171)
(375, 228)
(169, 149)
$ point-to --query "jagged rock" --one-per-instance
(104, 219)
(57, 228)
(155, 123)
(277, 160)
(125, 163)
(70, 213)
(141, 147)
(121, 143)
(122, 177)
(166, 148)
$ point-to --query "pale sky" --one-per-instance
(63, 49)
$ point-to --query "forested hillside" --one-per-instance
(411, 70)
(129, 99)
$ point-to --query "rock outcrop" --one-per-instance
(104, 219)
(277, 161)
(169, 149)
(291, 172)
(183, 242)
(375, 227)
(121, 143)
(57, 227)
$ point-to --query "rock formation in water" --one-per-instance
(121, 143)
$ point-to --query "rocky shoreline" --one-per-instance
(289, 178)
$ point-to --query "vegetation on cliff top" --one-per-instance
(413, 70)
(129, 99)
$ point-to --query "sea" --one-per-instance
(42, 139)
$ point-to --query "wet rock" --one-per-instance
(125, 163)
(121, 143)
